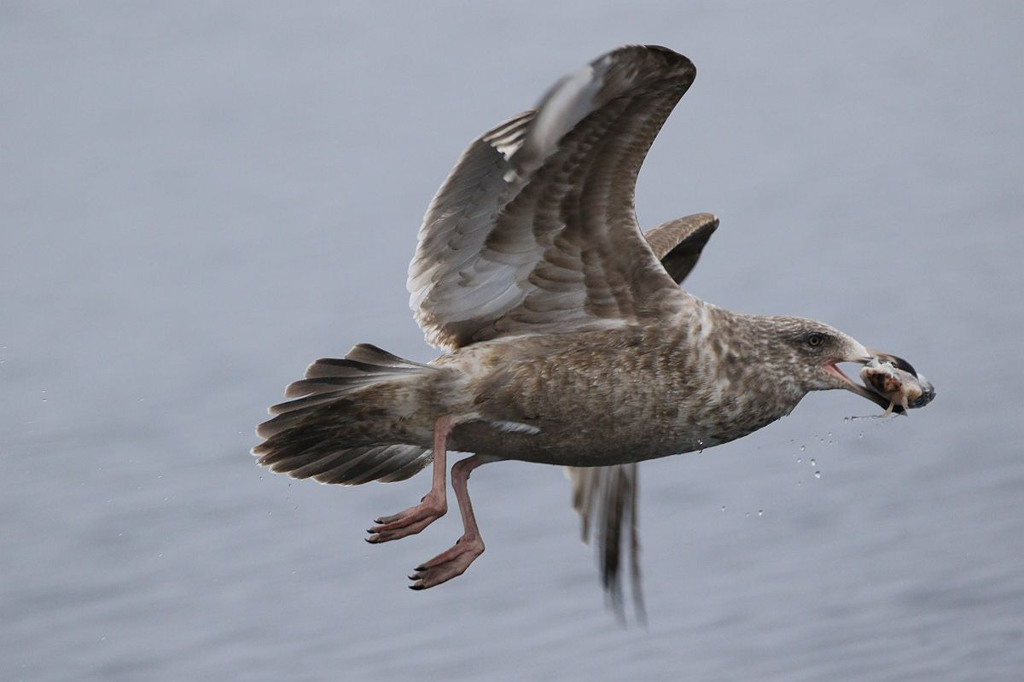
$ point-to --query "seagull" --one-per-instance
(567, 337)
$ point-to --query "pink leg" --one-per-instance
(433, 505)
(456, 560)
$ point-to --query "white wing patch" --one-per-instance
(513, 427)
(508, 137)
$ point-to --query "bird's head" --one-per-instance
(815, 350)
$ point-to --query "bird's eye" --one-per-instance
(815, 339)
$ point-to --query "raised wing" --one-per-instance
(535, 228)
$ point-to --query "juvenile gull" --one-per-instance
(569, 340)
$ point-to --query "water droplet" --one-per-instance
(723, 507)
(813, 463)
(802, 448)
(817, 474)
(799, 460)
(760, 512)
(748, 515)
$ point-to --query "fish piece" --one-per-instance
(898, 386)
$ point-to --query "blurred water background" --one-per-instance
(199, 198)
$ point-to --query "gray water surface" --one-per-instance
(199, 198)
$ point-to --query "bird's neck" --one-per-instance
(736, 359)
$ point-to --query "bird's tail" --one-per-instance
(340, 428)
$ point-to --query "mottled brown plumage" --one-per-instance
(569, 340)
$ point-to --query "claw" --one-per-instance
(408, 522)
(448, 564)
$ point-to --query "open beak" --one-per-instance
(877, 398)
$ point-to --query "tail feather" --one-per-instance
(372, 355)
(336, 384)
(317, 468)
(290, 417)
(354, 466)
(414, 463)
(303, 403)
(385, 461)
(334, 367)
(324, 432)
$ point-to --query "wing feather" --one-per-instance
(606, 499)
(534, 229)
(678, 243)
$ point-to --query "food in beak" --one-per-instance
(900, 387)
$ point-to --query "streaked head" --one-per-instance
(816, 350)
